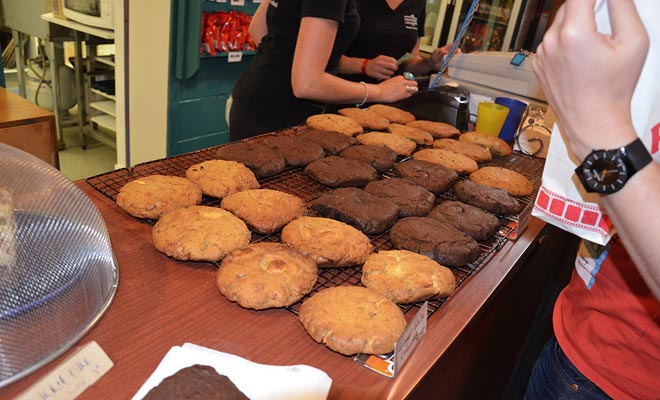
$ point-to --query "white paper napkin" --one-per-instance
(256, 381)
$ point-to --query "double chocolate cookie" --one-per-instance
(437, 240)
(358, 208)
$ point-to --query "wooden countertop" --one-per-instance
(15, 110)
(162, 303)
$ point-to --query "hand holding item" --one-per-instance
(438, 55)
(396, 88)
(381, 67)
(575, 63)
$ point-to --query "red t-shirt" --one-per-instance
(607, 321)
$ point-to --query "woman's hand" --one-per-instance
(381, 67)
(438, 56)
(590, 77)
(394, 89)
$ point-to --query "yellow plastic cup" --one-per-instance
(491, 117)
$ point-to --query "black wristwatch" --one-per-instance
(606, 171)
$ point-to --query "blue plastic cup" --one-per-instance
(516, 111)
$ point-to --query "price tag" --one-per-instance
(389, 364)
(72, 376)
(237, 2)
(234, 56)
(411, 336)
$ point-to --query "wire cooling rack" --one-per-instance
(295, 182)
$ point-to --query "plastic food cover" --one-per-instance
(58, 273)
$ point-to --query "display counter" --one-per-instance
(478, 344)
(28, 127)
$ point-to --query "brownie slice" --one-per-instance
(435, 178)
(379, 157)
(338, 171)
(261, 159)
(197, 382)
(413, 200)
(362, 210)
(494, 200)
(474, 221)
(297, 152)
(437, 240)
(332, 142)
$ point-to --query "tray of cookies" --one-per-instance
(386, 207)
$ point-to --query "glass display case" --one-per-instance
(493, 26)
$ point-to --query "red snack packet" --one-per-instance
(208, 21)
(225, 32)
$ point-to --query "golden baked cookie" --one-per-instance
(392, 113)
(472, 150)
(353, 319)
(218, 178)
(264, 210)
(513, 182)
(334, 122)
(496, 145)
(368, 119)
(200, 233)
(266, 275)
(407, 277)
(155, 195)
(458, 162)
(417, 135)
(436, 129)
(330, 243)
(400, 145)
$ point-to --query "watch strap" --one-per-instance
(636, 156)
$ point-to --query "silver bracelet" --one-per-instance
(366, 94)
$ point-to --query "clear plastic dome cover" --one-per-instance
(58, 273)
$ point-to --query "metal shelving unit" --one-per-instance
(101, 123)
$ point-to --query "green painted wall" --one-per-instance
(199, 85)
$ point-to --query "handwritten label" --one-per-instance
(234, 56)
(237, 2)
(72, 376)
(389, 364)
(411, 336)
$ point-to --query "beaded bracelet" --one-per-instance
(366, 94)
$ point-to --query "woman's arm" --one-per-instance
(258, 27)
(381, 67)
(310, 81)
(590, 89)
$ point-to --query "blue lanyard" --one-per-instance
(457, 41)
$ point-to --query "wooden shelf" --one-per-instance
(103, 94)
(105, 121)
(105, 106)
(107, 60)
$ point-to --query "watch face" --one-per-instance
(604, 171)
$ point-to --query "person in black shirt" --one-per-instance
(294, 71)
(389, 29)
